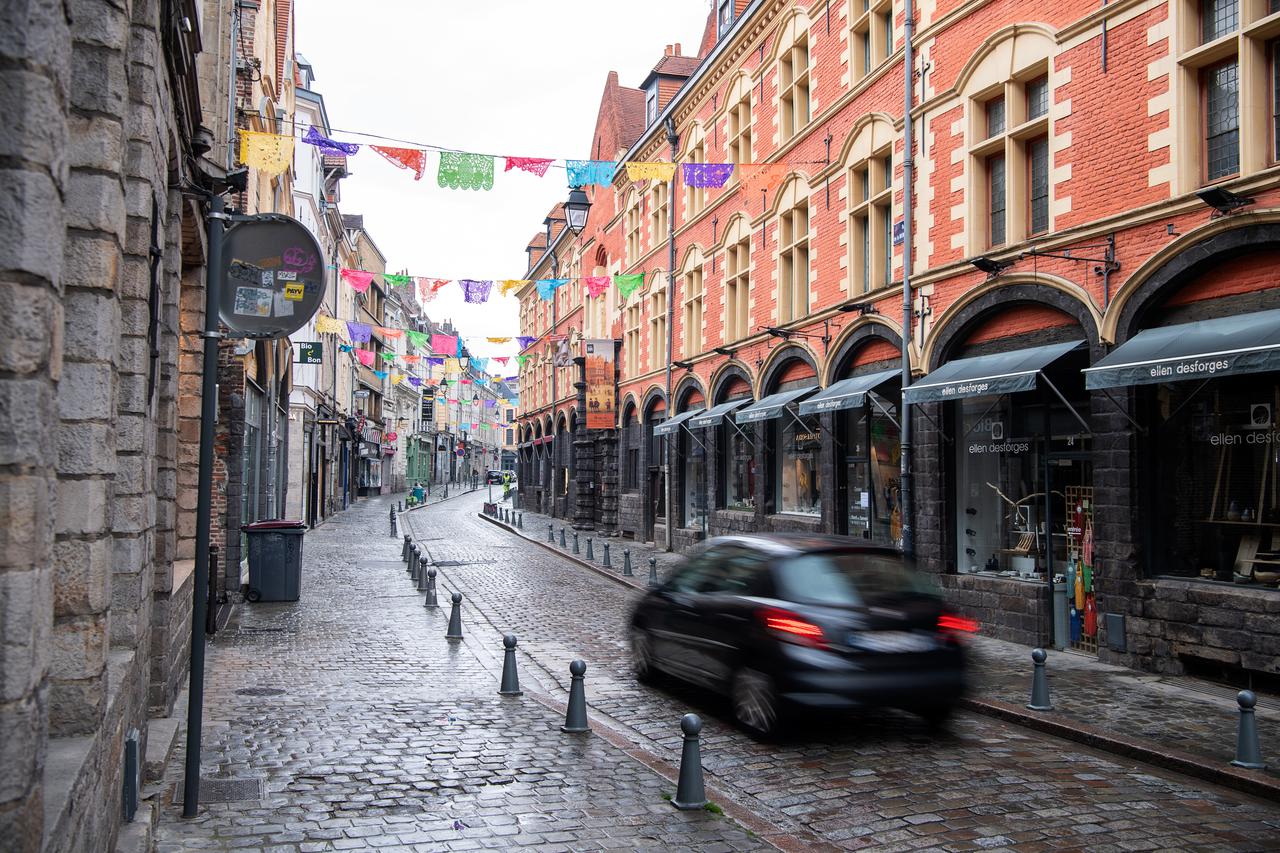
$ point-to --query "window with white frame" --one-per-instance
(693, 298)
(695, 198)
(658, 213)
(633, 229)
(870, 36)
(793, 253)
(793, 84)
(738, 149)
(737, 281)
(1009, 156)
(658, 326)
(631, 338)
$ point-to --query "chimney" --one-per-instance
(677, 50)
(668, 51)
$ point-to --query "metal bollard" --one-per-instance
(413, 556)
(455, 619)
(1248, 750)
(1039, 683)
(446, 491)
(691, 793)
(393, 523)
(626, 563)
(401, 505)
(404, 552)
(419, 564)
(431, 602)
(653, 571)
(520, 521)
(575, 716)
(422, 576)
(562, 540)
(607, 564)
(510, 685)
(575, 543)
(591, 554)
(551, 533)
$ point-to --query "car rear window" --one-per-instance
(848, 578)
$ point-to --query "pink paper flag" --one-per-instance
(429, 288)
(366, 356)
(597, 284)
(444, 344)
(358, 279)
(536, 165)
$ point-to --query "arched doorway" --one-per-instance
(688, 465)
(654, 460)
(788, 444)
(732, 474)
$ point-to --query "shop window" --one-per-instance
(738, 464)
(1216, 490)
(693, 458)
(872, 447)
(798, 441)
(253, 408)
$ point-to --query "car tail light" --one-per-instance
(950, 623)
(790, 628)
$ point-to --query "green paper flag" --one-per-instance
(465, 171)
(521, 359)
(397, 280)
(627, 284)
(418, 339)
(388, 356)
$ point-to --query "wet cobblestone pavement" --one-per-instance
(876, 781)
(366, 730)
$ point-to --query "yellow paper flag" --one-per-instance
(498, 340)
(511, 284)
(330, 326)
(396, 378)
(650, 171)
(269, 153)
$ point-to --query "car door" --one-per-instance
(724, 608)
(671, 621)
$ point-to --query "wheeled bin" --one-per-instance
(275, 559)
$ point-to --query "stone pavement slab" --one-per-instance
(366, 729)
(876, 780)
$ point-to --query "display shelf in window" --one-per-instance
(1080, 575)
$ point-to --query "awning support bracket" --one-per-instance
(919, 407)
(1139, 427)
(1070, 407)
(872, 397)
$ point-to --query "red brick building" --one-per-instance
(1094, 390)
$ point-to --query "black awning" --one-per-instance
(668, 427)
(772, 406)
(848, 393)
(1226, 346)
(713, 416)
(998, 373)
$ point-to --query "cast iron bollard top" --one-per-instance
(691, 725)
(456, 598)
(577, 667)
(509, 641)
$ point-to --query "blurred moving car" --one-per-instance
(775, 621)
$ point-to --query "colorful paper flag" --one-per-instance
(525, 341)
(498, 340)
(360, 332)
(358, 279)
(411, 359)
(345, 348)
(650, 171)
(627, 284)
(429, 288)
(475, 292)
(596, 284)
(366, 356)
(413, 159)
(417, 339)
(390, 333)
(397, 378)
(535, 165)
(502, 359)
(707, 174)
(444, 343)
(329, 146)
(415, 382)
(268, 153)
(460, 171)
(760, 176)
(381, 374)
(511, 284)
(436, 362)
(387, 356)
(583, 172)
(394, 280)
(329, 326)
(547, 286)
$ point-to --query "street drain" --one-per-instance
(221, 790)
(260, 691)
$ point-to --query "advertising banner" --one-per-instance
(600, 392)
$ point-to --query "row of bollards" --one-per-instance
(1248, 747)
(690, 787)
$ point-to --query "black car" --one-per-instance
(776, 621)
(493, 478)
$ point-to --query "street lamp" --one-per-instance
(576, 208)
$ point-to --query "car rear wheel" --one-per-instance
(756, 707)
(642, 656)
(937, 718)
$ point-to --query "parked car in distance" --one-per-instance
(777, 621)
(493, 478)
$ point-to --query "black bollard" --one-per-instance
(607, 564)
(417, 562)
(653, 571)
(510, 685)
(421, 579)
(431, 603)
(404, 552)
(1248, 750)
(520, 521)
(575, 716)
(413, 557)
(1039, 683)
(575, 543)
(393, 523)
(562, 540)
(401, 505)
(455, 619)
(591, 554)
(626, 563)
(691, 793)
(551, 533)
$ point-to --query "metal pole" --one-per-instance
(204, 505)
(908, 178)
(674, 140)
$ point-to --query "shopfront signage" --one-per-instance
(273, 276)
(600, 392)
(309, 353)
(361, 394)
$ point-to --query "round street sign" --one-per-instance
(273, 276)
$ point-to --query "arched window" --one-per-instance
(793, 251)
(738, 133)
(793, 77)
(691, 316)
(737, 280)
(869, 190)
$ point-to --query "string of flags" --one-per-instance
(478, 291)
(272, 153)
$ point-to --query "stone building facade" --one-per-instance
(100, 247)
(1058, 232)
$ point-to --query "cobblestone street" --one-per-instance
(367, 730)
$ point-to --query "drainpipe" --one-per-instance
(674, 140)
(908, 181)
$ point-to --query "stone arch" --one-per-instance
(688, 384)
(725, 373)
(794, 24)
(965, 314)
(869, 134)
(1181, 262)
(793, 189)
(853, 338)
(781, 357)
(651, 398)
(1005, 53)
(735, 90)
(693, 257)
(737, 228)
(629, 407)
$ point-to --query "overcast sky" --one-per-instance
(518, 77)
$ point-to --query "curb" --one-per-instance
(600, 570)
(1245, 781)
(424, 505)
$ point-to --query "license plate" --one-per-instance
(891, 641)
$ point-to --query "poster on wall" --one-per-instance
(600, 397)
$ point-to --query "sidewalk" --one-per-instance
(1183, 724)
(346, 721)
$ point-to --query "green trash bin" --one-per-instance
(275, 560)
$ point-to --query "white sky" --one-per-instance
(518, 77)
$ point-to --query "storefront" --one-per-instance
(788, 448)
(369, 474)
(731, 482)
(688, 454)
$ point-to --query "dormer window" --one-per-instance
(725, 17)
(651, 106)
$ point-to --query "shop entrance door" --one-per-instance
(1069, 513)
